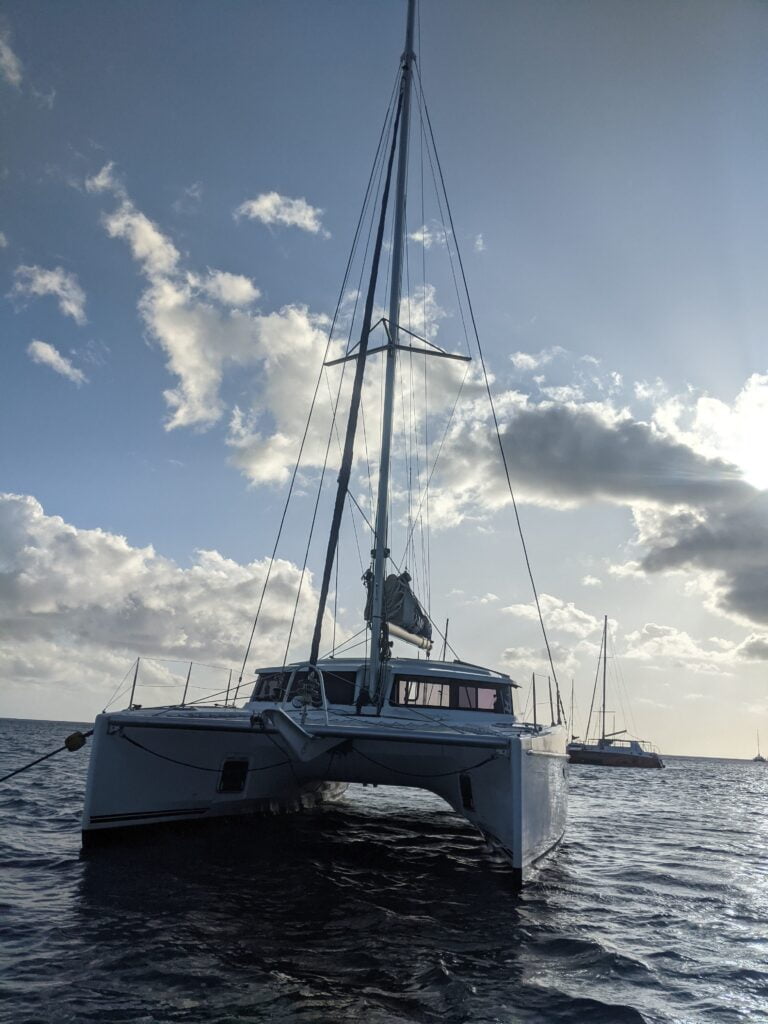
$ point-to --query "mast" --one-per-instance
(379, 638)
(605, 666)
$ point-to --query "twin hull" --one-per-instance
(148, 768)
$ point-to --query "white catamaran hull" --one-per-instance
(148, 767)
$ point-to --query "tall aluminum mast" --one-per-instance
(381, 551)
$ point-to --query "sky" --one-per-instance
(180, 188)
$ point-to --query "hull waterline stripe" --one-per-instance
(103, 819)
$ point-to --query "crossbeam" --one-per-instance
(438, 353)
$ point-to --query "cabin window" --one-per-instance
(339, 687)
(421, 692)
(270, 686)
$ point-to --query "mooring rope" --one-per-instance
(73, 742)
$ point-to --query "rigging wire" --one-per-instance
(594, 690)
(354, 408)
(623, 692)
(425, 492)
(379, 149)
(490, 399)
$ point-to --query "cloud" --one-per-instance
(45, 354)
(10, 65)
(3, 241)
(694, 512)
(558, 615)
(429, 235)
(529, 361)
(59, 282)
(728, 544)
(523, 661)
(579, 452)
(566, 455)
(754, 648)
(591, 581)
(105, 181)
(669, 648)
(716, 429)
(272, 208)
(203, 325)
(72, 599)
(149, 246)
(229, 289)
(479, 243)
(560, 454)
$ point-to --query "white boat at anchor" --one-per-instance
(445, 727)
(309, 728)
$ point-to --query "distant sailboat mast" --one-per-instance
(605, 666)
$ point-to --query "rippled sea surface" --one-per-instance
(386, 908)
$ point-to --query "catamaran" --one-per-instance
(308, 728)
(608, 748)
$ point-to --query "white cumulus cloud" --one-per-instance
(203, 324)
(229, 289)
(272, 208)
(76, 606)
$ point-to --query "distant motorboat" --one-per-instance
(607, 749)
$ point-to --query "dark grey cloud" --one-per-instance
(572, 453)
(755, 648)
(708, 518)
(729, 541)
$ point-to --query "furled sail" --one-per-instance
(401, 607)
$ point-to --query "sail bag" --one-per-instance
(401, 607)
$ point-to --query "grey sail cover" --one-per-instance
(401, 607)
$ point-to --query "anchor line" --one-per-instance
(71, 743)
(427, 775)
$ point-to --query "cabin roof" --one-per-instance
(417, 666)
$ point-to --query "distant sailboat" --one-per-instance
(608, 750)
(758, 756)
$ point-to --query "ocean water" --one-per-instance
(385, 908)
